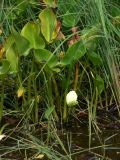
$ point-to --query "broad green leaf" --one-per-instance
(31, 31)
(115, 10)
(70, 19)
(95, 59)
(48, 112)
(89, 36)
(9, 41)
(45, 56)
(89, 32)
(99, 84)
(51, 3)
(12, 57)
(48, 24)
(4, 68)
(74, 53)
(23, 46)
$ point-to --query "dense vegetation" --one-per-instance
(47, 49)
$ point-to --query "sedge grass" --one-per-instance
(90, 13)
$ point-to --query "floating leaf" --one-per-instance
(48, 112)
(4, 68)
(31, 31)
(51, 3)
(12, 57)
(76, 51)
(95, 59)
(22, 44)
(99, 84)
(48, 24)
(45, 56)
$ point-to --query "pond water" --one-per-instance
(104, 145)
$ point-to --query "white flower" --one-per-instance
(2, 136)
(71, 98)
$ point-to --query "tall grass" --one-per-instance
(44, 89)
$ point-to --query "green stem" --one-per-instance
(36, 102)
(65, 110)
(57, 96)
(2, 99)
(51, 97)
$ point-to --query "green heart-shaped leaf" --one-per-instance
(76, 51)
(48, 24)
(70, 19)
(45, 56)
(89, 36)
(12, 57)
(23, 46)
(4, 68)
(31, 31)
(9, 41)
(95, 59)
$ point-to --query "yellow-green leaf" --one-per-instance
(20, 92)
(31, 31)
(9, 41)
(12, 57)
(48, 23)
(51, 3)
(40, 156)
(23, 45)
(4, 68)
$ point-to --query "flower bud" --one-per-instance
(71, 98)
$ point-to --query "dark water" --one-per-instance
(105, 145)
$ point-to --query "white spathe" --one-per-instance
(71, 98)
(2, 136)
